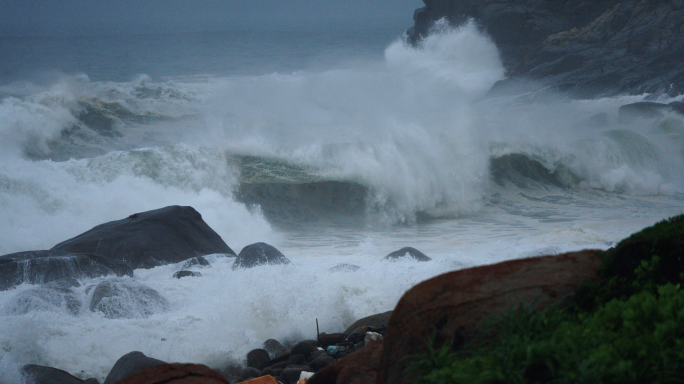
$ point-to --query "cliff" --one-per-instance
(585, 48)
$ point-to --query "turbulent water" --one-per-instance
(334, 151)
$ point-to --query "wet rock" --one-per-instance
(122, 298)
(326, 339)
(57, 294)
(321, 362)
(91, 381)
(175, 374)
(456, 304)
(281, 357)
(249, 373)
(376, 321)
(40, 267)
(408, 252)
(275, 372)
(258, 358)
(273, 347)
(345, 268)
(259, 254)
(359, 367)
(303, 348)
(36, 374)
(291, 374)
(296, 360)
(315, 354)
(129, 364)
(149, 239)
(198, 261)
(180, 274)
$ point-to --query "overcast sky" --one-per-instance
(121, 16)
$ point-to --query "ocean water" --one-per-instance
(337, 147)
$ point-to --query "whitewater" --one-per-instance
(341, 161)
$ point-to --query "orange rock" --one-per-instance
(268, 379)
(358, 368)
(452, 306)
(175, 374)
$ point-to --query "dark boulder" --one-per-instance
(321, 362)
(375, 321)
(175, 374)
(129, 364)
(149, 239)
(258, 358)
(359, 367)
(249, 373)
(57, 294)
(40, 267)
(296, 360)
(305, 348)
(36, 374)
(180, 274)
(291, 374)
(123, 298)
(198, 261)
(259, 254)
(273, 347)
(408, 252)
(326, 339)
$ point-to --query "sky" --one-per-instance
(45, 17)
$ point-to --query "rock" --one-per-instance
(315, 354)
(273, 347)
(321, 362)
(291, 374)
(232, 372)
(281, 357)
(331, 339)
(587, 48)
(376, 321)
(54, 295)
(452, 306)
(180, 274)
(40, 267)
(303, 348)
(123, 298)
(198, 261)
(36, 374)
(149, 239)
(358, 368)
(259, 254)
(250, 372)
(258, 358)
(408, 252)
(129, 364)
(275, 372)
(91, 381)
(175, 374)
(345, 268)
(296, 360)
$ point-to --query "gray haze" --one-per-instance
(39, 17)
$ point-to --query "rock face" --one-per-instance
(175, 374)
(40, 267)
(120, 298)
(36, 374)
(58, 294)
(455, 304)
(129, 364)
(149, 239)
(588, 48)
(408, 252)
(259, 254)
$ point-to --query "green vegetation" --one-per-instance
(628, 328)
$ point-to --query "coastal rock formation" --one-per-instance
(37, 374)
(119, 298)
(376, 321)
(56, 294)
(40, 267)
(408, 251)
(587, 48)
(129, 364)
(453, 306)
(259, 254)
(175, 374)
(149, 239)
(358, 368)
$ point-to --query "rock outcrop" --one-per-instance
(129, 364)
(53, 295)
(586, 48)
(407, 252)
(259, 254)
(122, 298)
(149, 239)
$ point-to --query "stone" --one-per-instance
(258, 358)
(359, 367)
(453, 306)
(291, 374)
(321, 362)
(40, 267)
(326, 339)
(407, 252)
(250, 372)
(57, 294)
(175, 374)
(345, 268)
(296, 360)
(149, 239)
(302, 348)
(376, 321)
(91, 381)
(198, 261)
(275, 372)
(259, 254)
(267, 379)
(129, 364)
(180, 274)
(315, 354)
(124, 298)
(37, 374)
(273, 347)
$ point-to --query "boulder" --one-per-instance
(273, 347)
(358, 368)
(408, 252)
(124, 298)
(180, 274)
(303, 348)
(453, 306)
(326, 339)
(291, 374)
(175, 374)
(40, 267)
(129, 364)
(249, 373)
(321, 362)
(36, 374)
(149, 239)
(258, 358)
(375, 321)
(57, 294)
(296, 360)
(345, 268)
(259, 254)
(198, 261)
